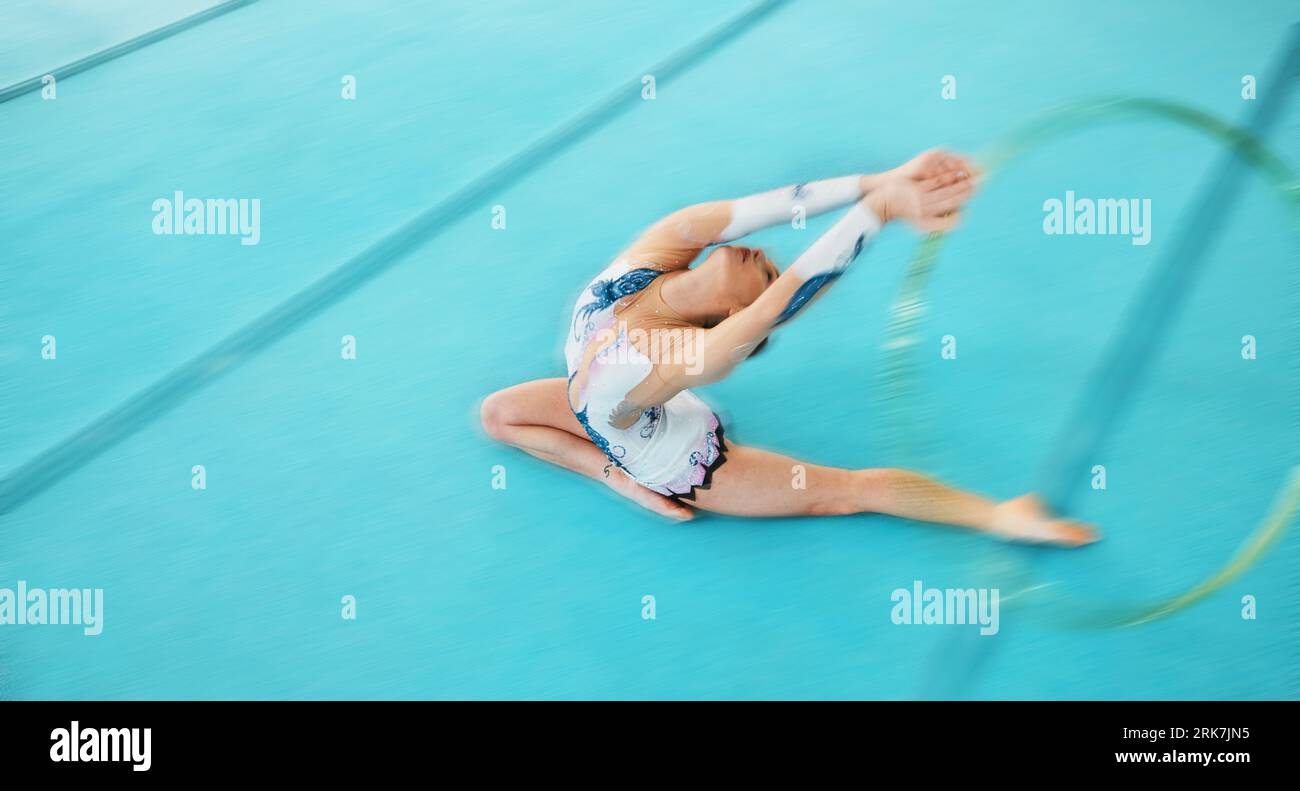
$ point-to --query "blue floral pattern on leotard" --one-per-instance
(598, 440)
(710, 451)
(609, 291)
(652, 416)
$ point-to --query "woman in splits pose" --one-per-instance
(649, 328)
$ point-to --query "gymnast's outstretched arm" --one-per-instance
(674, 241)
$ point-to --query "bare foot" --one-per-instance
(622, 483)
(1025, 518)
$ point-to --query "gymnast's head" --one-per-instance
(730, 278)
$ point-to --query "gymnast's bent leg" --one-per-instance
(535, 417)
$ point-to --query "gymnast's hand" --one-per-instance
(927, 191)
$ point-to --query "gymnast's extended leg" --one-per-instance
(753, 482)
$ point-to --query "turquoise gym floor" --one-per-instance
(371, 477)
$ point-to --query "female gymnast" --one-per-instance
(649, 328)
